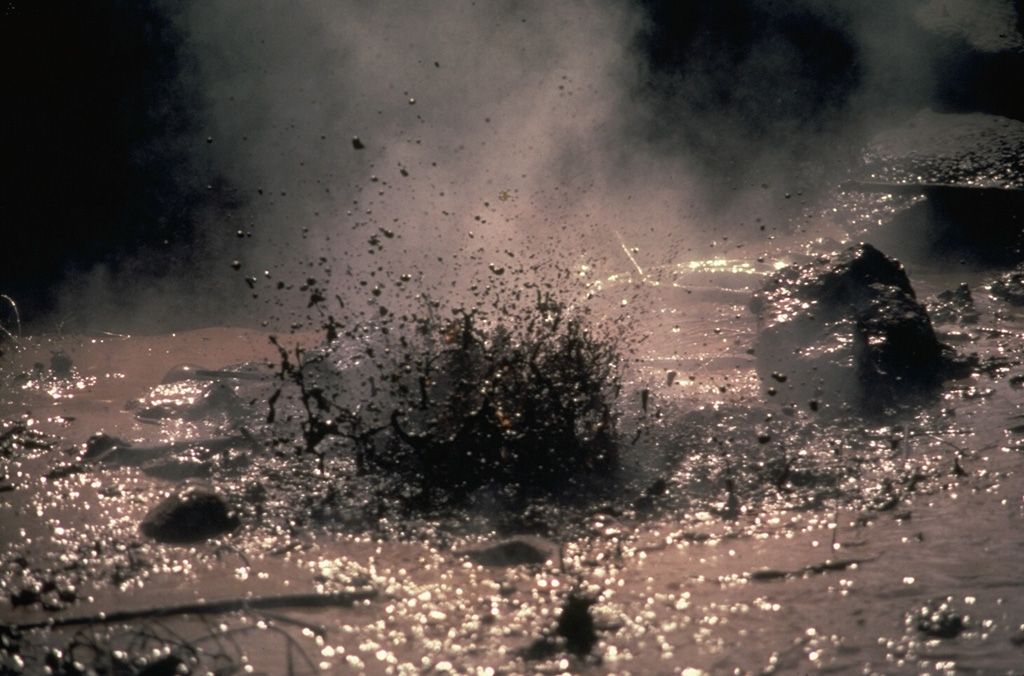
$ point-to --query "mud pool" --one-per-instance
(750, 534)
(638, 493)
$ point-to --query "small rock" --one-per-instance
(189, 399)
(938, 619)
(1010, 287)
(194, 511)
(61, 364)
(513, 552)
(179, 469)
(28, 594)
(576, 624)
(64, 470)
(954, 307)
(101, 444)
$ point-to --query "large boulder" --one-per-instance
(846, 332)
(193, 511)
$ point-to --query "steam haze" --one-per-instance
(500, 134)
(487, 130)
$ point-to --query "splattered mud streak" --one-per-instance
(758, 586)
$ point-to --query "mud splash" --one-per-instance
(737, 519)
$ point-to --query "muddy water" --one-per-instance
(838, 569)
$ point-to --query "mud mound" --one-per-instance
(193, 511)
(847, 331)
(523, 410)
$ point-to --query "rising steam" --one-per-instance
(488, 133)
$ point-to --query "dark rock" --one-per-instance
(178, 469)
(513, 552)
(954, 307)
(575, 630)
(65, 470)
(26, 595)
(1010, 287)
(847, 331)
(576, 624)
(61, 364)
(194, 511)
(102, 444)
(938, 620)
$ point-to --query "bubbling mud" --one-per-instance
(718, 491)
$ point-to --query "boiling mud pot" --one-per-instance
(743, 533)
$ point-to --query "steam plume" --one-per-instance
(487, 132)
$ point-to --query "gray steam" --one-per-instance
(484, 131)
(495, 133)
(489, 131)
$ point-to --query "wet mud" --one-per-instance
(741, 531)
(781, 432)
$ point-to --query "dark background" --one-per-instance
(102, 147)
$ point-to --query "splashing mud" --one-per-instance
(706, 524)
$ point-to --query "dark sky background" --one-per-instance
(102, 160)
(138, 136)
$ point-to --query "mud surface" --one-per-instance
(597, 463)
(746, 533)
(364, 500)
